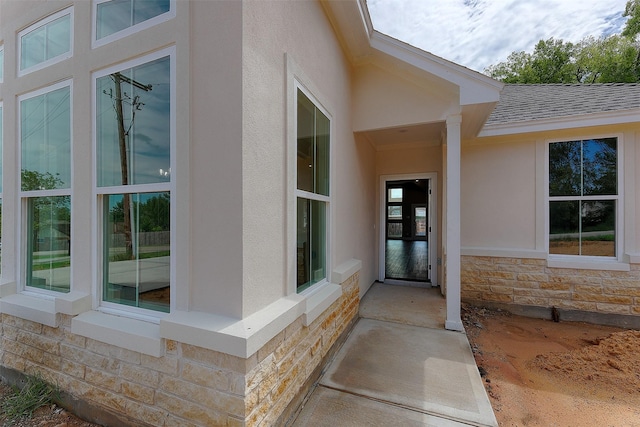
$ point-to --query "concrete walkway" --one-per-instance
(399, 367)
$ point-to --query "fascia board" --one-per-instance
(474, 87)
(558, 123)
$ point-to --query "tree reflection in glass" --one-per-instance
(583, 189)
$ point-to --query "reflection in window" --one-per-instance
(395, 195)
(45, 182)
(133, 149)
(137, 259)
(45, 131)
(116, 15)
(583, 194)
(133, 125)
(394, 212)
(46, 40)
(313, 130)
(49, 243)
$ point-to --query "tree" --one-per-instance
(632, 26)
(612, 59)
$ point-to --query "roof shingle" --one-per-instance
(527, 102)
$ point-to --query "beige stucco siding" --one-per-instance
(383, 98)
(498, 195)
(280, 36)
(215, 175)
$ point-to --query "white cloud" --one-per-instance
(479, 33)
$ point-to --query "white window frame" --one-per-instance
(1, 173)
(581, 261)
(129, 30)
(309, 195)
(41, 23)
(26, 195)
(98, 192)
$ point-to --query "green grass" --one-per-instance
(35, 393)
(143, 255)
(51, 265)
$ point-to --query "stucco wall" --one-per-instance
(299, 34)
(498, 195)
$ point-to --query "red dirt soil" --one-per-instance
(541, 373)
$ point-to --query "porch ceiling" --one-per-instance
(426, 134)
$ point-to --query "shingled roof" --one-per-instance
(523, 103)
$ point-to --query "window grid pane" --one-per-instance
(134, 126)
(312, 147)
(137, 249)
(45, 130)
(581, 221)
(46, 42)
(49, 243)
(117, 15)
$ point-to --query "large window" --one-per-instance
(45, 186)
(118, 18)
(583, 197)
(134, 163)
(46, 42)
(312, 192)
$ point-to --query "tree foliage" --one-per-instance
(612, 59)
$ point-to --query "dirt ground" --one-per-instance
(47, 416)
(541, 373)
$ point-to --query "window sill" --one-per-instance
(43, 309)
(587, 264)
(318, 300)
(131, 334)
(240, 338)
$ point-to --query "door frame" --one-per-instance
(432, 221)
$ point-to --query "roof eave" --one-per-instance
(557, 123)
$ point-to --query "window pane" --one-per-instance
(394, 212)
(49, 243)
(134, 125)
(322, 154)
(599, 228)
(117, 15)
(146, 9)
(313, 129)
(311, 237)
(58, 37)
(306, 130)
(33, 48)
(45, 42)
(565, 168)
(45, 131)
(421, 221)
(600, 157)
(395, 195)
(137, 250)
(564, 228)
(394, 230)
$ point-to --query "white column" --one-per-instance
(452, 240)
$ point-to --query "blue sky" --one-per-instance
(479, 33)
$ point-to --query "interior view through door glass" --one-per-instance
(406, 243)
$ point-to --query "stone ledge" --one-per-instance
(33, 308)
(131, 334)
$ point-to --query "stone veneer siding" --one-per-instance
(189, 385)
(529, 282)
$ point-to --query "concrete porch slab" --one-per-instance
(331, 408)
(428, 370)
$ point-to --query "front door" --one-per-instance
(407, 230)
